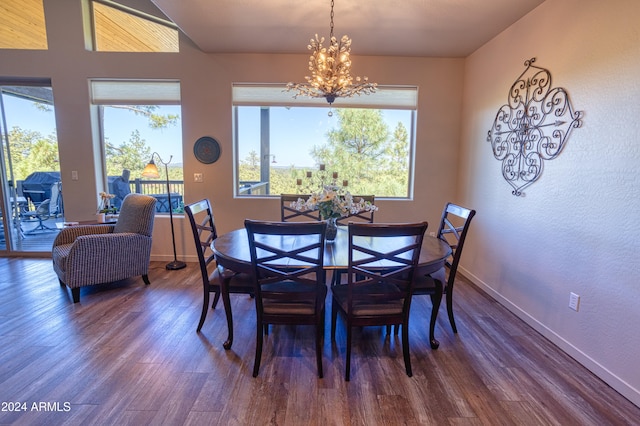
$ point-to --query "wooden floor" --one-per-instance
(129, 354)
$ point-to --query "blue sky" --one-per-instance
(294, 131)
(119, 123)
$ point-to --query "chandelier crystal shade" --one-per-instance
(331, 71)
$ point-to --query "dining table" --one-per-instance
(231, 251)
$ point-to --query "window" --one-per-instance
(367, 142)
(22, 25)
(117, 28)
(139, 118)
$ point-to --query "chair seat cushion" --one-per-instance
(370, 307)
(290, 308)
(238, 282)
(301, 298)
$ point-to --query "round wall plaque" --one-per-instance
(207, 150)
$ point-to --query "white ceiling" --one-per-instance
(435, 28)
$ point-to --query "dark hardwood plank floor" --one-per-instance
(129, 354)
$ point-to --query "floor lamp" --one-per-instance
(151, 171)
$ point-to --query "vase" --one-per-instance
(332, 230)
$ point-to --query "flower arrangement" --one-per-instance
(333, 202)
(105, 203)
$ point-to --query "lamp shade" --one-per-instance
(151, 171)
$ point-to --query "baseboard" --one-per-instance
(622, 387)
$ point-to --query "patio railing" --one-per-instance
(156, 187)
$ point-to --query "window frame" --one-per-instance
(142, 92)
(276, 95)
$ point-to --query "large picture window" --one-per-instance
(137, 119)
(280, 141)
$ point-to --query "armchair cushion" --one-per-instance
(134, 215)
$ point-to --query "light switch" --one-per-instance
(74, 175)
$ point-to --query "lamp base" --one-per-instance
(176, 264)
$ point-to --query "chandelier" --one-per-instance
(330, 71)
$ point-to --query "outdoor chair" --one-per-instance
(41, 214)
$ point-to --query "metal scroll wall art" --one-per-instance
(532, 127)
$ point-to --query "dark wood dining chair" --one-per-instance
(360, 217)
(290, 214)
(286, 294)
(213, 277)
(453, 228)
(379, 281)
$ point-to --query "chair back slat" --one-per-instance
(204, 232)
(381, 255)
(454, 225)
(361, 217)
(290, 214)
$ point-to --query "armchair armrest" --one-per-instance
(69, 235)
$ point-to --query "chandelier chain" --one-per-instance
(331, 31)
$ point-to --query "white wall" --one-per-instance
(577, 228)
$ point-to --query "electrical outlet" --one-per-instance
(574, 301)
(74, 175)
(197, 177)
(432, 233)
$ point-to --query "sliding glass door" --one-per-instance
(31, 202)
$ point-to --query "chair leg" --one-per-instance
(205, 308)
(334, 314)
(216, 297)
(336, 277)
(405, 348)
(347, 375)
(145, 278)
(259, 338)
(319, 333)
(436, 299)
(224, 290)
(75, 293)
(450, 310)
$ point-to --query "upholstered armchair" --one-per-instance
(94, 254)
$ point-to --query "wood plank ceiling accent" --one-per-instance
(22, 25)
(119, 31)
